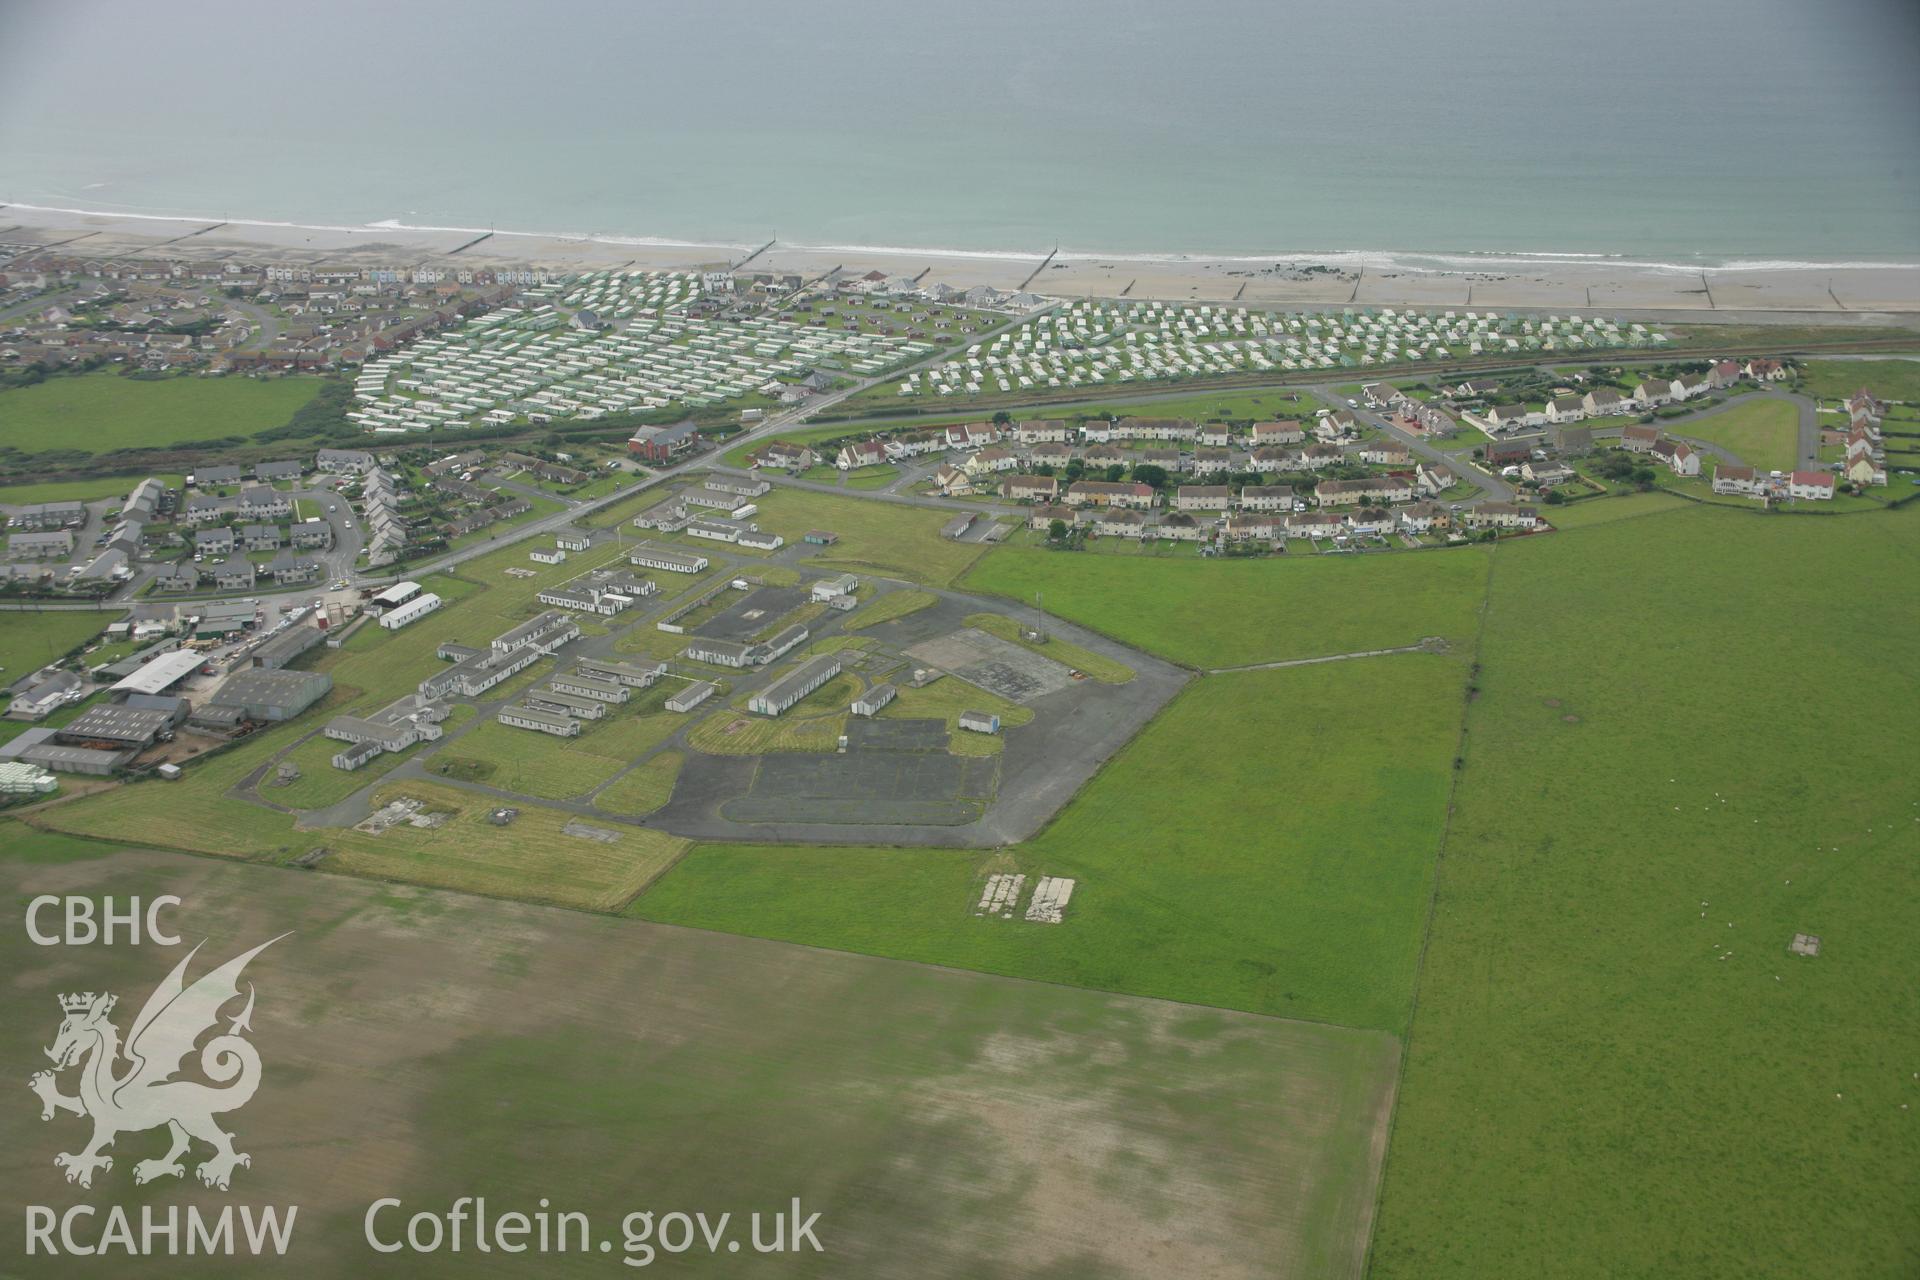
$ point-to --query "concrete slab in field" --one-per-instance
(999, 666)
(896, 735)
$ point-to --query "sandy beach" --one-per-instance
(1865, 293)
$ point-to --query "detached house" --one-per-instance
(1639, 439)
(1566, 409)
(1681, 458)
(1728, 478)
(1814, 485)
(1604, 401)
(952, 482)
(865, 453)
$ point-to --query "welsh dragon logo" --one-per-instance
(144, 1093)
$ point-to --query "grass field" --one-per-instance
(425, 1046)
(1669, 775)
(1885, 379)
(893, 605)
(642, 789)
(81, 490)
(1216, 613)
(540, 764)
(101, 412)
(888, 538)
(1761, 433)
(1290, 882)
(30, 640)
(320, 784)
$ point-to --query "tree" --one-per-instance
(1555, 497)
(1115, 472)
(1057, 530)
(1148, 474)
(1002, 418)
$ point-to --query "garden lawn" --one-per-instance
(1230, 612)
(101, 412)
(1290, 881)
(1616, 1067)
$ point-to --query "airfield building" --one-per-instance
(795, 685)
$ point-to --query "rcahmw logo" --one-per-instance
(131, 1086)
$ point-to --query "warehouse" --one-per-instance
(37, 747)
(119, 726)
(161, 674)
(276, 651)
(795, 685)
(649, 555)
(261, 694)
(412, 611)
(521, 717)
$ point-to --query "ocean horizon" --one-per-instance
(1369, 258)
(1751, 134)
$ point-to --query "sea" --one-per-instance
(1694, 132)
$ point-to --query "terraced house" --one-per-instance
(1340, 493)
